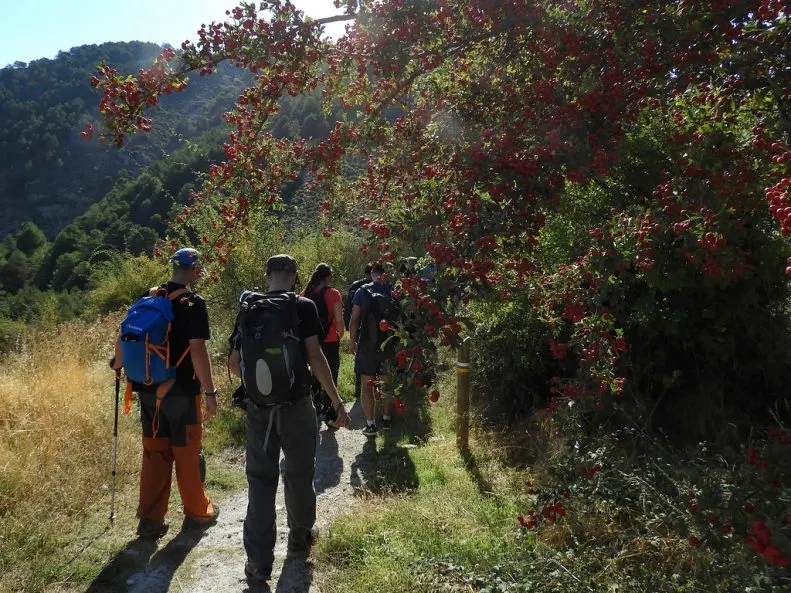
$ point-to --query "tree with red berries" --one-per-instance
(621, 167)
(476, 122)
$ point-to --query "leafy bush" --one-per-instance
(245, 267)
(664, 518)
(511, 364)
(120, 280)
(11, 332)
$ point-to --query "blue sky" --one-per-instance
(34, 29)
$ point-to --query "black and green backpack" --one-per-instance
(274, 369)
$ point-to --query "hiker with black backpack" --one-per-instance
(347, 316)
(275, 338)
(162, 349)
(347, 307)
(372, 304)
(330, 309)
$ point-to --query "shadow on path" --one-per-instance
(141, 568)
(262, 588)
(132, 558)
(329, 464)
(296, 576)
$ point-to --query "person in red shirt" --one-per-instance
(329, 305)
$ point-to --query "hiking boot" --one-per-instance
(202, 522)
(256, 574)
(370, 430)
(151, 530)
(301, 547)
(387, 423)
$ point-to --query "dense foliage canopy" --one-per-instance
(623, 167)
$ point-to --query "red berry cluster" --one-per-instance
(759, 539)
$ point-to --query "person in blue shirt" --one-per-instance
(371, 304)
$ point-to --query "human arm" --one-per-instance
(354, 327)
(198, 333)
(321, 370)
(202, 365)
(115, 361)
(235, 363)
(337, 315)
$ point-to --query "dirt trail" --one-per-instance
(213, 562)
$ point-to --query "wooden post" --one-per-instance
(463, 397)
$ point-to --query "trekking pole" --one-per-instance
(115, 444)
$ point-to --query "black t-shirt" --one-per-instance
(191, 322)
(309, 324)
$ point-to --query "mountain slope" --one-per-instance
(48, 175)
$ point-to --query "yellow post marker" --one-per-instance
(463, 397)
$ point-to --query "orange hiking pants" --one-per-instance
(178, 438)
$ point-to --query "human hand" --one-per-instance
(210, 409)
(342, 418)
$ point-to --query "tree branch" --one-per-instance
(336, 19)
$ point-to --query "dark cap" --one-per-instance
(281, 263)
(186, 257)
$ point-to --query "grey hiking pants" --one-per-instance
(293, 429)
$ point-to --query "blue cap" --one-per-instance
(186, 257)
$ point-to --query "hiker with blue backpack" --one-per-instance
(372, 305)
(329, 306)
(162, 350)
(275, 349)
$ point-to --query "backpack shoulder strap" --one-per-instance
(294, 301)
(330, 310)
(177, 293)
(155, 290)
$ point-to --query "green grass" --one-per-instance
(346, 372)
(221, 478)
(402, 543)
(421, 534)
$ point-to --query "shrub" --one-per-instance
(511, 364)
(120, 280)
(662, 517)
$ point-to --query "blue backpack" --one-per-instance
(144, 341)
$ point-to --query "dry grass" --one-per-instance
(56, 415)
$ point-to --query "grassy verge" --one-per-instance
(57, 398)
(414, 531)
(453, 526)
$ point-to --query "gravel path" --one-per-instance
(213, 562)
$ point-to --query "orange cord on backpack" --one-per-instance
(162, 391)
(163, 388)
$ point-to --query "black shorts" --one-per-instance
(371, 360)
(176, 412)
